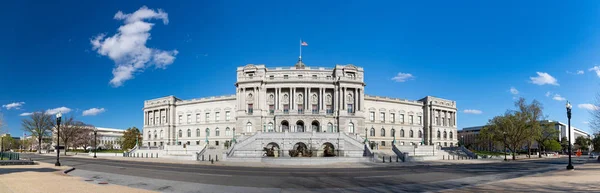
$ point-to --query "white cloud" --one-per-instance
(127, 48)
(580, 72)
(557, 97)
(15, 105)
(472, 111)
(56, 110)
(402, 77)
(544, 78)
(586, 122)
(25, 114)
(513, 90)
(588, 106)
(548, 94)
(596, 69)
(93, 111)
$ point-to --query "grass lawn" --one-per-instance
(99, 151)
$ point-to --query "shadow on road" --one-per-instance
(17, 170)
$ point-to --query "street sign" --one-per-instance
(59, 147)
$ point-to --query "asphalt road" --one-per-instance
(421, 178)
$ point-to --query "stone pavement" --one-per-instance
(585, 178)
(47, 178)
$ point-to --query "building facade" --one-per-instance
(299, 99)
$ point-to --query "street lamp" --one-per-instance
(570, 166)
(504, 132)
(95, 142)
(462, 138)
(366, 135)
(58, 119)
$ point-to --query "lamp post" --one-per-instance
(462, 138)
(570, 166)
(504, 133)
(233, 138)
(58, 119)
(95, 142)
(366, 135)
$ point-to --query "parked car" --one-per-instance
(593, 155)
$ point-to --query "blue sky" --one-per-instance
(473, 52)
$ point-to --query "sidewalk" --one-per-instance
(48, 178)
(585, 178)
(261, 164)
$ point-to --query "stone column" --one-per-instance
(292, 97)
(322, 98)
(355, 101)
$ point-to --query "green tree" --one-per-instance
(548, 133)
(130, 136)
(583, 142)
(511, 130)
(532, 114)
(564, 143)
(8, 142)
(552, 145)
(596, 142)
(40, 125)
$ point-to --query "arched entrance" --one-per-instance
(272, 150)
(328, 150)
(300, 150)
(285, 126)
(299, 126)
(315, 126)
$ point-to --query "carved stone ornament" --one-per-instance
(271, 99)
(349, 99)
(299, 99)
(314, 99)
(285, 99)
(328, 99)
(250, 98)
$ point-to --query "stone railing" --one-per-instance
(398, 153)
(468, 152)
(201, 152)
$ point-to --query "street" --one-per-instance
(393, 178)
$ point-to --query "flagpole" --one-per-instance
(300, 48)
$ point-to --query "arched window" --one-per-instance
(410, 133)
(393, 132)
(198, 132)
(161, 134)
(189, 133)
(330, 127)
(351, 127)
(155, 135)
(248, 127)
(401, 132)
(372, 133)
(270, 127)
(445, 135)
(207, 132)
(217, 132)
(227, 131)
(439, 134)
(420, 134)
(382, 132)
(180, 133)
(451, 136)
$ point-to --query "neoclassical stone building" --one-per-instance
(299, 99)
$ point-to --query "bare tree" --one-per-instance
(40, 125)
(84, 138)
(595, 116)
(69, 130)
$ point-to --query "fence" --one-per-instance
(9, 156)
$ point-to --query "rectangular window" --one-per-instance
(217, 116)
(180, 119)
(152, 121)
(329, 110)
(315, 109)
(382, 117)
(420, 120)
(350, 109)
(286, 108)
(250, 109)
(449, 122)
(271, 77)
(217, 143)
(227, 115)
(207, 117)
(372, 116)
(443, 121)
(402, 118)
(189, 118)
(382, 143)
(197, 117)
(300, 76)
(328, 77)
(410, 117)
(285, 76)
(393, 117)
(197, 142)
(436, 121)
(271, 109)
(300, 109)
(164, 118)
(314, 76)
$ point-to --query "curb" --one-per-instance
(69, 170)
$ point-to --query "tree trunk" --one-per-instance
(529, 150)
(39, 145)
(540, 151)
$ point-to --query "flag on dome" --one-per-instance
(303, 43)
